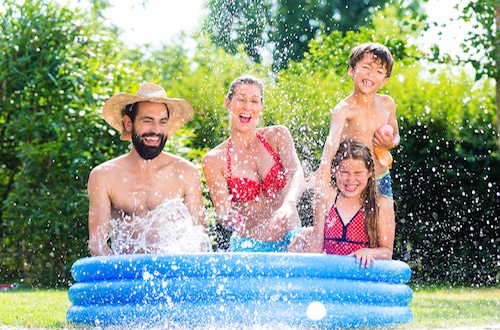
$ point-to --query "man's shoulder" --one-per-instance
(109, 165)
(105, 173)
(175, 160)
(181, 168)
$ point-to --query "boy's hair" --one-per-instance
(352, 149)
(378, 50)
(243, 80)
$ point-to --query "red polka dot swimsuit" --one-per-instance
(344, 239)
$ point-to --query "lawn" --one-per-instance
(433, 307)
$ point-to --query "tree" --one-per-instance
(284, 28)
(482, 44)
(55, 70)
(485, 39)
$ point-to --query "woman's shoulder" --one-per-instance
(273, 129)
(275, 133)
(216, 154)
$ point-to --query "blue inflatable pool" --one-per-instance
(231, 289)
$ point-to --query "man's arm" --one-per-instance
(193, 195)
(99, 213)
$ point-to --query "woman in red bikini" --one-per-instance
(255, 178)
(349, 216)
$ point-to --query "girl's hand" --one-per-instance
(364, 257)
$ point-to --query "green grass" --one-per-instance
(447, 307)
(34, 308)
(433, 307)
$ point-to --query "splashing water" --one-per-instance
(166, 229)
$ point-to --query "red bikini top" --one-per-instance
(245, 189)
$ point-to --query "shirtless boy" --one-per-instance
(133, 185)
(360, 115)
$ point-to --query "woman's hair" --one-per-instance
(351, 149)
(243, 80)
(379, 51)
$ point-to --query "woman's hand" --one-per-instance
(234, 221)
(281, 216)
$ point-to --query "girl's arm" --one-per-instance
(322, 200)
(386, 227)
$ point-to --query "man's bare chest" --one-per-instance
(138, 196)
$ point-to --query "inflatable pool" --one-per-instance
(231, 289)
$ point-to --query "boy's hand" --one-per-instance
(383, 137)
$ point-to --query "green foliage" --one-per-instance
(54, 69)
(485, 36)
(285, 28)
(482, 45)
(447, 189)
(207, 87)
(58, 66)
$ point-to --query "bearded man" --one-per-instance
(148, 200)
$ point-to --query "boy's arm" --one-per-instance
(388, 142)
(332, 142)
(331, 146)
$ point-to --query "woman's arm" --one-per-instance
(213, 164)
(293, 169)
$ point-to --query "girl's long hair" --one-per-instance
(352, 149)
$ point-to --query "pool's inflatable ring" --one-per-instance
(230, 289)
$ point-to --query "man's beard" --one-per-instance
(148, 152)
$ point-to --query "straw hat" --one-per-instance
(180, 111)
